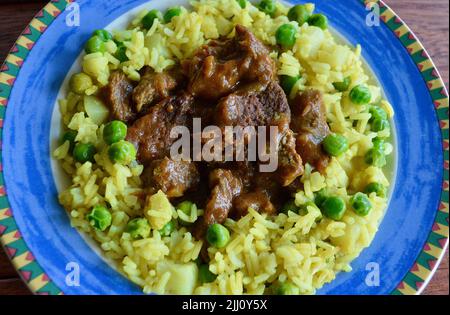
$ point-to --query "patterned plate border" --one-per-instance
(416, 278)
(14, 245)
(436, 244)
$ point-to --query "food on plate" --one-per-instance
(201, 226)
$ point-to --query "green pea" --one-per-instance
(286, 35)
(344, 85)
(288, 82)
(168, 229)
(114, 132)
(268, 6)
(171, 13)
(318, 20)
(122, 152)
(69, 135)
(205, 275)
(121, 53)
(80, 82)
(379, 125)
(377, 113)
(100, 218)
(84, 152)
(286, 288)
(186, 207)
(149, 19)
(242, 3)
(378, 144)
(377, 188)
(334, 208)
(361, 204)
(320, 197)
(376, 157)
(360, 95)
(299, 14)
(95, 44)
(335, 144)
(217, 235)
(290, 206)
(138, 228)
(103, 34)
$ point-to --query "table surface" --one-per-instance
(428, 19)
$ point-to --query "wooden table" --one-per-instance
(428, 19)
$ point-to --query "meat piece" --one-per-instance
(151, 133)
(174, 178)
(255, 105)
(225, 186)
(199, 193)
(290, 164)
(118, 97)
(244, 170)
(258, 201)
(267, 183)
(154, 87)
(267, 106)
(312, 152)
(217, 68)
(311, 125)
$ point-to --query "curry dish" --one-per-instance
(198, 225)
(227, 83)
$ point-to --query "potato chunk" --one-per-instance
(182, 279)
(158, 210)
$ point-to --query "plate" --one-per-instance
(35, 230)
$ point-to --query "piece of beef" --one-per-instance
(257, 200)
(154, 87)
(174, 178)
(151, 133)
(199, 193)
(244, 170)
(225, 186)
(118, 97)
(267, 182)
(218, 68)
(290, 164)
(310, 123)
(255, 105)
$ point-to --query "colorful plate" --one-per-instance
(35, 230)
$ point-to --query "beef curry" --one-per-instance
(228, 82)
